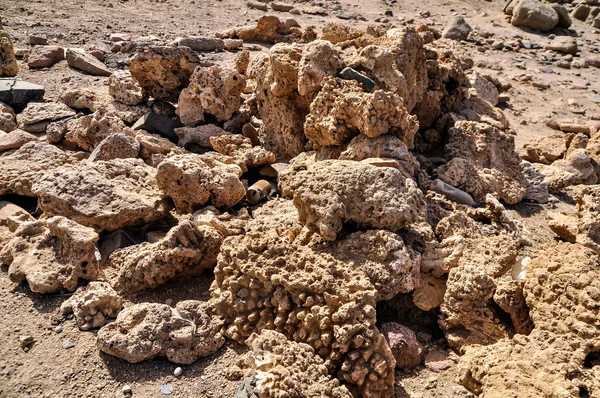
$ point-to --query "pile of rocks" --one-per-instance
(347, 130)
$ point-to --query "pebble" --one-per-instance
(58, 329)
(67, 344)
(169, 301)
(127, 390)
(166, 389)
(177, 372)
(596, 99)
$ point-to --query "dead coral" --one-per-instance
(93, 305)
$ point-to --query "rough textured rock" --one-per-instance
(88, 131)
(319, 60)
(342, 110)
(535, 183)
(576, 168)
(212, 90)
(15, 140)
(534, 14)
(280, 105)
(45, 56)
(51, 254)
(484, 88)
(8, 61)
(104, 195)
(143, 331)
(193, 180)
(269, 29)
(588, 216)
(314, 292)
(287, 368)
(163, 71)
(93, 305)
(201, 43)
(39, 112)
(21, 169)
(124, 88)
(546, 149)
(483, 161)
(566, 45)
(457, 29)
(332, 192)
(385, 146)
(560, 290)
(200, 135)
(185, 249)
(7, 118)
(407, 350)
(241, 150)
(115, 146)
(79, 59)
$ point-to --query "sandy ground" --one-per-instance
(49, 370)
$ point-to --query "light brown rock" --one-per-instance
(45, 56)
(37, 112)
(200, 135)
(79, 59)
(125, 89)
(7, 118)
(51, 254)
(115, 146)
(93, 305)
(241, 150)
(15, 139)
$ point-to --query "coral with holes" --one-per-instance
(147, 330)
(212, 90)
(104, 195)
(27, 165)
(285, 368)
(319, 60)
(343, 110)
(483, 161)
(186, 248)
(88, 131)
(241, 150)
(163, 71)
(51, 254)
(280, 105)
(588, 216)
(192, 180)
(332, 192)
(320, 293)
(125, 89)
(92, 305)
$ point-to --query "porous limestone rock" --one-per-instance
(535, 183)
(212, 90)
(332, 192)
(546, 149)
(269, 29)
(385, 146)
(88, 131)
(314, 292)
(8, 61)
(577, 168)
(163, 71)
(588, 216)
(104, 195)
(319, 60)
(342, 110)
(21, 169)
(125, 89)
(186, 248)
(241, 150)
(484, 88)
(280, 105)
(51, 254)
(200, 135)
(483, 161)
(15, 139)
(93, 305)
(407, 350)
(143, 331)
(7, 118)
(192, 180)
(287, 368)
(509, 297)
(115, 146)
(338, 33)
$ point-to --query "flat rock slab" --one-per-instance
(158, 124)
(41, 111)
(85, 62)
(18, 93)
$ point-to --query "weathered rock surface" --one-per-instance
(7, 118)
(51, 254)
(269, 29)
(457, 29)
(576, 168)
(185, 249)
(319, 60)
(38, 113)
(115, 146)
(8, 61)
(342, 110)
(534, 14)
(143, 331)
(535, 183)
(93, 305)
(88, 131)
(193, 180)
(163, 71)
(45, 56)
(85, 62)
(200, 135)
(325, 292)
(23, 168)
(407, 350)
(483, 161)
(287, 368)
(201, 43)
(124, 88)
(15, 139)
(329, 193)
(104, 195)
(241, 150)
(212, 90)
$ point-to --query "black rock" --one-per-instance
(159, 124)
(18, 93)
(352, 74)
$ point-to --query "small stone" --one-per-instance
(36, 40)
(115, 37)
(281, 7)
(158, 124)
(201, 43)
(457, 29)
(58, 329)
(26, 341)
(256, 5)
(18, 93)
(79, 59)
(126, 390)
(169, 302)
(67, 344)
(166, 389)
(566, 45)
(436, 361)
(178, 372)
